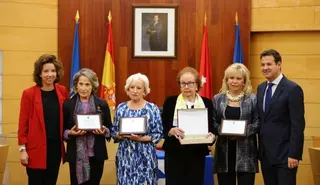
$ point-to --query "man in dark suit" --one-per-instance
(281, 113)
(155, 32)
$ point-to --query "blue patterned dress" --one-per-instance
(136, 162)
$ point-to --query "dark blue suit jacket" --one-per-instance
(282, 126)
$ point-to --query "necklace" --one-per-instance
(234, 98)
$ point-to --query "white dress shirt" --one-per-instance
(274, 87)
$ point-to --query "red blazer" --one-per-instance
(32, 130)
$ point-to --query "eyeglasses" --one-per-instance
(190, 84)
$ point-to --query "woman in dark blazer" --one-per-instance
(41, 122)
(236, 157)
(86, 150)
(184, 164)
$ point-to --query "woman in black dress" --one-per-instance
(184, 164)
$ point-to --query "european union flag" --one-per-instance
(75, 65)
(237, 54)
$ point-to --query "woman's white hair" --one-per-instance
(135, 77)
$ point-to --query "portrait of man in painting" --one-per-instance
(154, 31)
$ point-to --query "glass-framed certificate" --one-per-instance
(194, 123)
(233, 127)
(133, 125)
(88, 121)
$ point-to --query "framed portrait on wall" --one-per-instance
(154, 31)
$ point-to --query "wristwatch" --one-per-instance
(22, 148)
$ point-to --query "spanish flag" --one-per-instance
(108, 82)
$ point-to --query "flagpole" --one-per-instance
(236, 18)
(109, 16)
(77, 17)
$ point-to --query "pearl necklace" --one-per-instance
(234, 98)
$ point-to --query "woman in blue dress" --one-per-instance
(136, 159)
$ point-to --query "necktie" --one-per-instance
(268, 97)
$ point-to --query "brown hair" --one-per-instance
(38, 66)
(271, 52)
(195, 74)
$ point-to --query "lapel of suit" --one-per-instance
(261, 96)
(39, 107)
(223, 105)
(276, 93)
(61, 99)
(73, 104)
(97, 104)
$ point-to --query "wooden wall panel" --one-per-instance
(288, 43)
(10, 91)
(43, 2)
(24, 59)
(28, 16)
(285, 15)
(28, 39)
(11, 112)
(312, 114)
(161, 73)
(12, 127)
(283, 3)
(284, 19)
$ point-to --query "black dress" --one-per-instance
(184, 164)
(232, 113)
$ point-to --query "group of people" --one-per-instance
(275, 122)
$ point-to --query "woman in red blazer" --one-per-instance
(41, 122)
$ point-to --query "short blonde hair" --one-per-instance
(135, 77)
(243, 70)
(92, 76)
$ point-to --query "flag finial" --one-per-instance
(236, 18)
(205, 18)
(109, 16)
(77, 17)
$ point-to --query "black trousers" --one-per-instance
(43, 177)
(47, 176)
(277, 174)
(231, 178)
(184, 169)
(96, 170)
